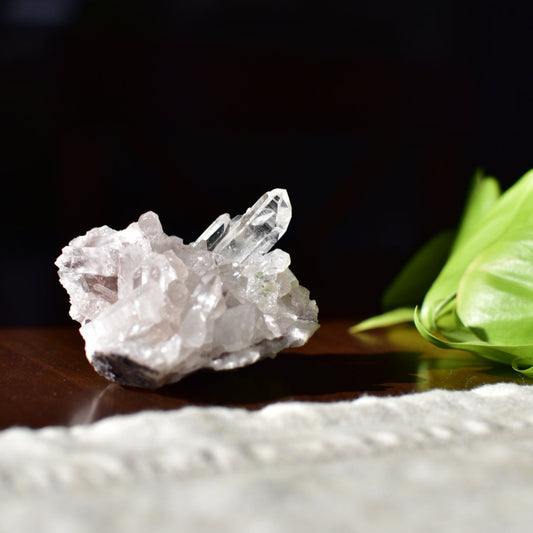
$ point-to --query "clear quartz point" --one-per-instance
(217, 229)
(257, 231)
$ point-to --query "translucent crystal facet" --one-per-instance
(153, 309)
(258, 230)
(216, 230)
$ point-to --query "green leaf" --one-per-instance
(520, 357)
(413, 281)
(495, 295)
(483, 194)
(511, 211)
(524, 366)
(390, 318)
(482, 299)
(469, 343)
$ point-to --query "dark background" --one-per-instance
(372, 114)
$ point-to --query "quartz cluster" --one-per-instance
(153, 309)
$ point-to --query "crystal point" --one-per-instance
(153, 309)
(214, 233)
(258, 230)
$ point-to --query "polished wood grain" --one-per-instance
(45, 378)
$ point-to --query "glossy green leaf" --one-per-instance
(495, 295)
(512, 210)
(524, 366)
(470, 343)
(390, 318)
(483, 194)
(414, 280)
(411, 284)
(520, 357)
(482, 299)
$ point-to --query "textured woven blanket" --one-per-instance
(437, 461)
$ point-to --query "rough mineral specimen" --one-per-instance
(153, 309)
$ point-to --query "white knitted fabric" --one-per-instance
(434, 461)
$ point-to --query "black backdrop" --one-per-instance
(372, 114)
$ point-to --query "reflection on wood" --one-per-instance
(46, 380)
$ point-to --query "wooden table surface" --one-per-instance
(45, 378)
